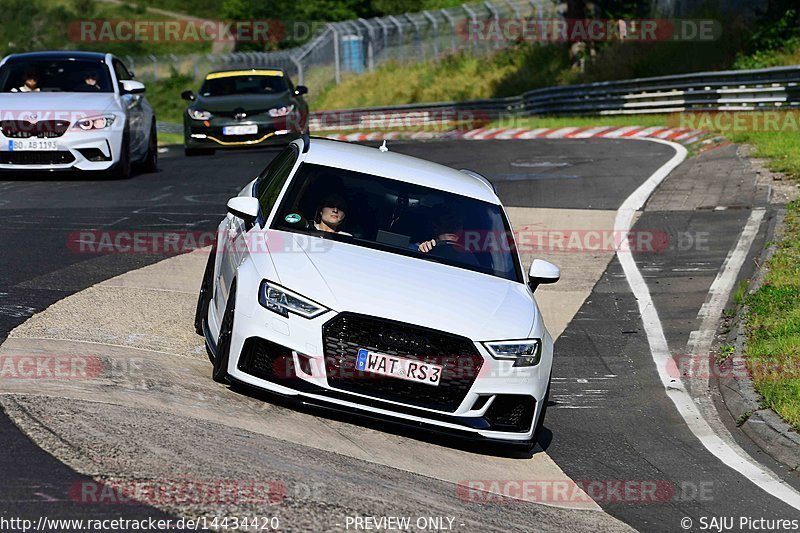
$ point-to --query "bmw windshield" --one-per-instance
(55, 75)
(401, 218)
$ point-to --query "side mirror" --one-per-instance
(132, 87)
(187, 95)
(300, 89)
(542, 272)
(244, 207)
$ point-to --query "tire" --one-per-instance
(220, 371)
(122, 170)
(204, 297)
(192, 152)
(540, 421)
(150, 161)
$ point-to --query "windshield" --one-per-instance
(242, 84)
(55, 75)
(401, 218)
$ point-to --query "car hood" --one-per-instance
(347, 277)
(86, 104)
(247, 102)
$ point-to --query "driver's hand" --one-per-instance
(427, 246)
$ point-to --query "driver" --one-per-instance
(449, 229)
(330, 214)
(90, 81)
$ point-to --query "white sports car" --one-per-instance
(372, 282)
(74, 111)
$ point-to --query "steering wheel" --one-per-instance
(454, 244)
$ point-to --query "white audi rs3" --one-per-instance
(376, 283)
(74, 111)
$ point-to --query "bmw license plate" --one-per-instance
(32, 145)
(398, 367)
(248, 129)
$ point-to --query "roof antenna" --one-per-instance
(383, 147)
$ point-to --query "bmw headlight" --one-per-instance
(94, 123)
(198, 114)
(526, 352)
(283, 301)
(281, 111)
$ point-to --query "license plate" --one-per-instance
(32, 145)
(249, 129)
(398, 367)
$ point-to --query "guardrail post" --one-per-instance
(400, 38)
(154, 59)
(337, 72)
(417, 36)
(452, 21)
(474, 26)
(385, 31)
(496, 19)
(435, 27)
(371, 38)
(515, 8)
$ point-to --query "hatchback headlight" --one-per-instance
(198, 114)
(283, 301)
(281, 111)
(526, 352)
(94, 123)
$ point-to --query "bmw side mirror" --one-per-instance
(300, 89)
(132, 87)
(244, 207)
(187, 95)
(542, 272)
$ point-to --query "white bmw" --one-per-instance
(373, 282)
(74, 111)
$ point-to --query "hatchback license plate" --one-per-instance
(32, 145)
(248, 129)
(398, 367)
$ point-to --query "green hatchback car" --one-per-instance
(240, 108)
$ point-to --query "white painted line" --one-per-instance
(700, 341)
(729, 453)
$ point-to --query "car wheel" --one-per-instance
(122, 170)
(191, 152)
(150, 162)
(220, 371)
(540, 421)
(204, 298)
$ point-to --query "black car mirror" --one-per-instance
(300, 89)
(187, 95)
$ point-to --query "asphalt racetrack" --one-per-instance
(156, 416)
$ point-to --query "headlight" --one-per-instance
(94, 123)
(526, 352)
(283, 301)
(281, 111)
(199, 114)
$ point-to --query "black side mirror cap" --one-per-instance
(187, 95)
(300, 90)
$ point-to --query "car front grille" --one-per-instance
(22, 129)
(346, 333)
(61, 157)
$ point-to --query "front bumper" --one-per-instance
(76, 150)
(288, 357)
(210, 134)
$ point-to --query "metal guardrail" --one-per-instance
(737, 90)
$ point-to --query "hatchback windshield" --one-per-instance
(401, 218)
(55, 75)
(219, 84)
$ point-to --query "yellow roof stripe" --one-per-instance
(252, 72)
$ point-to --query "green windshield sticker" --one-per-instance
(292, 218)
